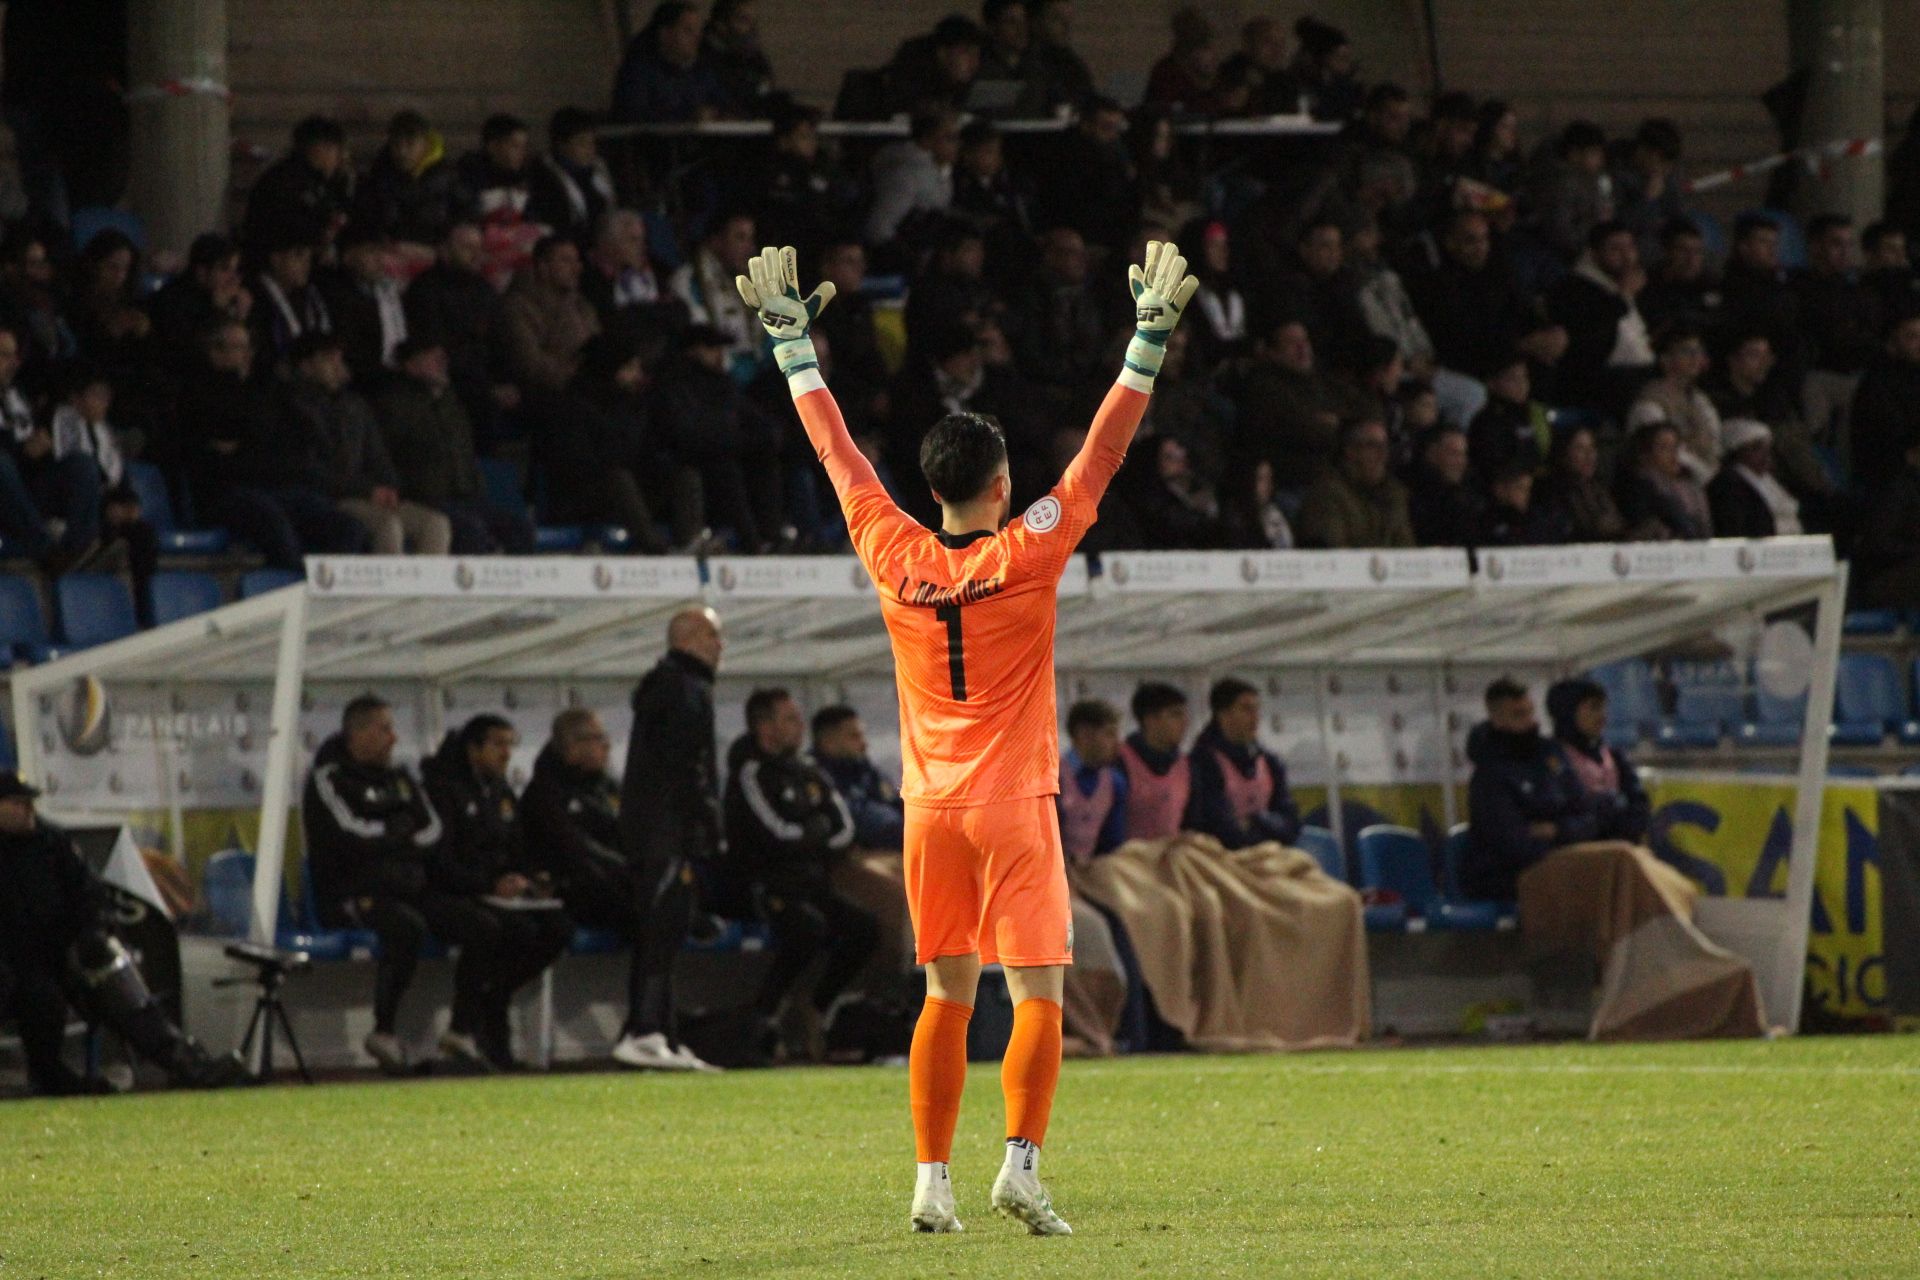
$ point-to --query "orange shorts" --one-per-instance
(989, 880)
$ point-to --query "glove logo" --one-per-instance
(1043, 515)
(1147, 315)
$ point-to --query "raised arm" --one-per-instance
(772, 288)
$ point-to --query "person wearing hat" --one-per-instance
(56, 956)
(1611, 785)
(1745, 498)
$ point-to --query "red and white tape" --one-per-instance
(1817, 160)
(188, 88)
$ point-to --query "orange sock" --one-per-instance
(936, 1073)
(1031, 1069)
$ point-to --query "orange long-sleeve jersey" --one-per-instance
(971, 617)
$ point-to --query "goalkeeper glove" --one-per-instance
(1161, 291)
(772, 288)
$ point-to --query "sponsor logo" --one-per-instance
(1043, 515)
(1622, 564)
(1118, 572)
(1249, 571)
(463, 576)
(1496, 567)
(602, 577)
(1747, 560)
(1377, 568)
(85, 717)
(323, 576)
(859, 577)
(727, 579)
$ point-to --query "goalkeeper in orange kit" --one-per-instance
(970, 609)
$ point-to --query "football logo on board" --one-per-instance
(85, 718)
(1377, 568)
(463, 576)
(1249, 571)
(1496, 568)
(323, 576)
(1043, 515)
(1622, 564)
(602, 577)
(1747, 560)
(726, 577)
(859, 576)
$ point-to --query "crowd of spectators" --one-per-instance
(1416, 330)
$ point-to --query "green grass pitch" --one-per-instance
(1795, 1158)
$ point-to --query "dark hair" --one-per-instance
(210, 249)
(1491, 113)
(416, 345)
(360, 232)
(1660, 136)
(502, 125)
(360, 709)
(827, 719)
(1375, 352)
(314, 130)
(664, 14)
(1674, 228)
(1505, 689)
(955, 29)
(1318, 38)
(1605, 231)
(570, 722)
(1819, 226)
(992, 9)
(1386, 93)
(703, 335)
(1672, 334)
(761, 704)
(1640, 443)
(1579, 135)
(1154, 696)
(1351, 429)
(1099, 104)
(975, 132)
(1454, 106)
(1870, 236)
(106, 242)
(789, 116)
(1563, 444)
(311, 344)
(475, 732)
(1226, 691)
(80, 374)
(407, 124)
(568, 123)
(960, 455)
(1091, 713)
(1753, 220)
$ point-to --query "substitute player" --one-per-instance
(970, 609)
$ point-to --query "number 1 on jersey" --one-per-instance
(956, 652)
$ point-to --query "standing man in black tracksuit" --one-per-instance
(669, 822)
(372, 835)
(786, 825)
(482, 859)
(571, 811)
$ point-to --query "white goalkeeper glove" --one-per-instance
(772, 288)
(1161, 290)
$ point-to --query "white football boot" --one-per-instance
(1017, 1192)
(933, 1200)
(650, 1052)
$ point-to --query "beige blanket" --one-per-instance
(1254, 949)
(1632, 914)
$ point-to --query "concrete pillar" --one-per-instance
(1846, 98)
(180, 117)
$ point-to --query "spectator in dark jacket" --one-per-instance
(1513, 428)
(730, 47)
(1240, 794)
(601, 464)
(1887, 556)
(1608, 780)
(430, 441)
(304, 195)
(451, 303)
(1511, 518)
(1058, 328)
(662, 78)
(1682, 289)
(372, 836)
(670, 824)
(570, 187)
(1658, 499)
(1286, 410)
(1090, 185)
(1525, 799)
(493, 184)
(338, 427)
(1472, 307)
(1886, 409)
(545, 320)
(1609, 350)
(840, 749)
(934, 70)
(481, 861)
(251, 470)
(626, 289)
(1755, 294)
(1646, 188)
(708, 424)
(1445, 509)
(209, 289)
(1179, 510)
(1572, 499)
(786, 828)
(1840, 323)
(1745, 498)
(286, 303)
(409, 191)
(571, 812)
(37, 484)
(1357, 502)
(363, 301)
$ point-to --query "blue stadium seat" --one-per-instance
(173, 595)
(1633, 700)
(548, 538)
(93, 608)
(1709, 698)
(610, 537)
(1911, 771)
(1712, 234)
(1320, 842)
(23, 627)
(1386, 917)
(156, 504)
(257, 582)
(734, 935)
(89, 220)
(1397, 859)
(226, 885)
(1847, 771)
(9, 757)
(1867, 701)
(1871, 622)
(318, 941)
(1453, 852)
(596, 942)
(505, 491)
(1793, 237)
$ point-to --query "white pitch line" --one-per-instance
(1594, 1069)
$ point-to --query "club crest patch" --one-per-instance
(1043, 515)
